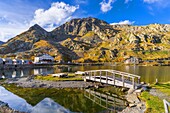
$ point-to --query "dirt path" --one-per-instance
(159, 94)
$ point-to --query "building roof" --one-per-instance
(46, 56)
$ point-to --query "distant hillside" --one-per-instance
(92, 40)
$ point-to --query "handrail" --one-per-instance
(115, 71)
(166, 105)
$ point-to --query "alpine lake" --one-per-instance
(69, 100)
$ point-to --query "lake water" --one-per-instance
(149, 74)
(75, 102)
(65, 101)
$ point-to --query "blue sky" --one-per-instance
(17, 16)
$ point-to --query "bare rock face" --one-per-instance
(86, 36)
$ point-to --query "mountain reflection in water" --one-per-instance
(47, 105)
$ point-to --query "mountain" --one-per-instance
(91, 40)
(1, 42)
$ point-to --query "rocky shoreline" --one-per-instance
(136, 105)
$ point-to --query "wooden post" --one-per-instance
(133, 82)
(129, 78)
(138, 80)
(114, 78)
(94, 95)
(100, 76)
(106, 78)
(123, 81)
(100, 99)
(156, 80)
(94, 76)
(107, 101)
(90, 75)
(89, 93)
(85, 78)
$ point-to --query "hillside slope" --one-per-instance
(91, 39)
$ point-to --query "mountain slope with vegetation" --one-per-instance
(91, 40)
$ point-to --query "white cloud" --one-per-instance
(159, 4)
(151, 1)
(11, 29)
(106, 6)
(57, 14)
(14, 21)
(125, 22)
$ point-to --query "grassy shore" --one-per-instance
(154, 103)
(71, 77)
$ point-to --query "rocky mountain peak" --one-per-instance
(81, 26)
(37, 28)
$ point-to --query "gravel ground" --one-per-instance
(24, 82)
(159, 94)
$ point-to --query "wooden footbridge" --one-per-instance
(113, 77)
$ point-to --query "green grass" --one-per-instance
(71, 77)
(153, 104)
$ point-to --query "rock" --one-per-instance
(124, 89)
(3, 104)
(145, 88)
(132, 105)
(140, 105)
(130, 91)
(138, 90)
(142, 83)
(42, 85)
(132, 98)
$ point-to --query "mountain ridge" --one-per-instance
(91, 39)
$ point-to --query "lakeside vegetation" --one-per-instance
(70, 77)
(154, 104)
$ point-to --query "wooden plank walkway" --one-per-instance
(113, 77)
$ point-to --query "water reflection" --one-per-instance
(14, 101)
(147, 73)
(47, 105)
(110, 102)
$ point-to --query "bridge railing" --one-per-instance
(121, 75)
